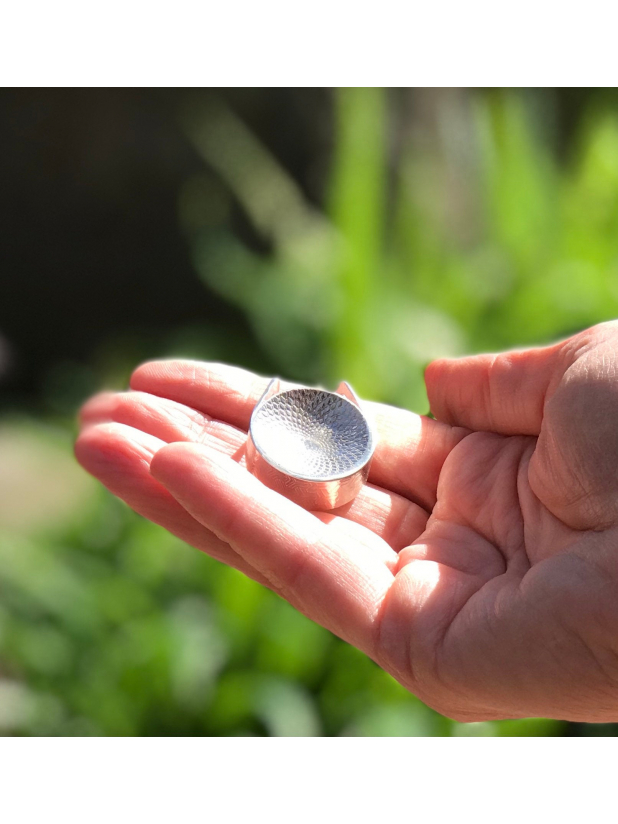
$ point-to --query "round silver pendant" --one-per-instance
(312, 446)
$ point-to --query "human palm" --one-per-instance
(479, 564)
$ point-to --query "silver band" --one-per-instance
(312, 446)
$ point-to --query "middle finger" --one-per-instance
(394, 518)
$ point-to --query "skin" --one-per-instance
(480, 564)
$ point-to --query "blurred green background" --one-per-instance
(317, 234)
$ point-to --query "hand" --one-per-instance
(480, 565)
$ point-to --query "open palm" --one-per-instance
(479, 567)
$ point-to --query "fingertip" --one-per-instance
(109, 449)
(164, 374)
(93, 449)
(95, 408)
(435, 371)
(155, 376)
(81, 448)
(140, 377)
(430, 367)
(167, 459)
(175, 462)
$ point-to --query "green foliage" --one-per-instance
(469, 237)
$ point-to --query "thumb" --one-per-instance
(502, 393)
(571, 389)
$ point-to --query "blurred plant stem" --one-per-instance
(357, 209)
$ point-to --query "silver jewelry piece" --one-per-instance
(312, 446)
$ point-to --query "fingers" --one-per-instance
(224, 392)
(333, 579)
(498, 393)
(411, 452)
(350, 530)
(163, 418)
(410, 449)
(392, 517)
(119, 456)
(566, 395)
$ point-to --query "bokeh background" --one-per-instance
(316, 234)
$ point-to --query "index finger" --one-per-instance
(331, 577)
(410, 451)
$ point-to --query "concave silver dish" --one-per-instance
(312, 446)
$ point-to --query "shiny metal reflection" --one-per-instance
(313, 446)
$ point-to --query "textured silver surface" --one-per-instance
(312, 434)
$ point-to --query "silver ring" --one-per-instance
(313, 446)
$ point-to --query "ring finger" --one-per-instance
(392, 517)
